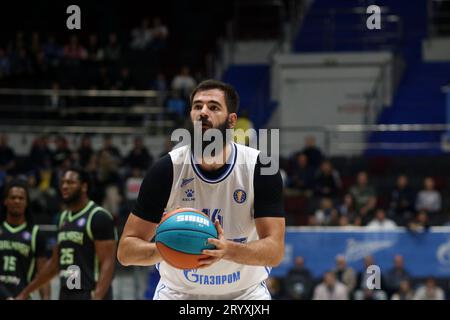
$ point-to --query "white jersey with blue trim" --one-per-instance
(229, 198)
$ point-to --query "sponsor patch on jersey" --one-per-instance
(185, 182)
(81, 222)
(239, 195)
(26, 235)
(189, 195)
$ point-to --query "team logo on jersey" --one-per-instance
(239, 196)
(185, 182)
(189, 195)
(81, 222)
(26, 235)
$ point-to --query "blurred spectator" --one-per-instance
(419, 223)
(401, 204)
(368, 294)
(396, 275)
(40, 152)
(429, 199)
(74, 52)
(85, 151)
(302, 178)
(55, 100)
(61, 152)
(53, 52)
(103, 79)
(326, 215)
(330, 289)
(429, 291)
(299, 281)
(176, 106)
(184, 82)
(347, 209)
(5, 64)
(344, 273)
(7, 155)
(142, 36)
(381, 223)
(241, 133)
(327, 181)
(364, 196)
(113, 50)
(159, 34)
(125, 81)
(108, 146)
(313, 153)
(405, 292)
(132, 186)
(94, 52)
(160, 84)
(139, 156)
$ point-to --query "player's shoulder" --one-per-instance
(98, 210)
(246, 150)
(178, 155)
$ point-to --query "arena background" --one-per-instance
(356, 107)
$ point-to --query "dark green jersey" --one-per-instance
(76, 235)
(20, 246)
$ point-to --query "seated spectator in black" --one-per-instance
(61, 152)
(314, 154)
(327, 182)
(108, 146)
(139, 156)
(347, 209)
(430, 200)
(330, 289)
(275, 287)
(40, 152)
(404, 292)
(396, 275)
(380, 222)
(429, 291)
(55, 100)
(299, 281)
(326, 214)
(7, 155)
(344, 273)
(160, 84)
(365, 197)
(302, 177)
(113, 50)
(420, 222)
(401, 205)
(103, 81)
(85, 151)
(125, 81)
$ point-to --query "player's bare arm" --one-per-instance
(44, 291)
(106, 252)
(135, 247)
(267, 251)
(47, 273)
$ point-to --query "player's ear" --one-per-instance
(232, 118)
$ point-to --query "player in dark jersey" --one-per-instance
(22, 246)
(86, 245)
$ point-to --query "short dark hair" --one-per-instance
(16, 183)
(82, 175)
(231, 95)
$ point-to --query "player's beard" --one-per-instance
(74, 198)
(222, 127)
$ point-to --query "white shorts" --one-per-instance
(256, 292)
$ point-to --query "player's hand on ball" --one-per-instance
(221, 248)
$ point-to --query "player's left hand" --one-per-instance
(221, 248)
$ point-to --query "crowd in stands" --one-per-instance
(309, 175)
(342, 282)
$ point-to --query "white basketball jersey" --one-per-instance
(228, 198)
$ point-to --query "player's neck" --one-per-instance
(80, 205)
(15, 220)
(217, 161)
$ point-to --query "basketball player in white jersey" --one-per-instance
(245, 205)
